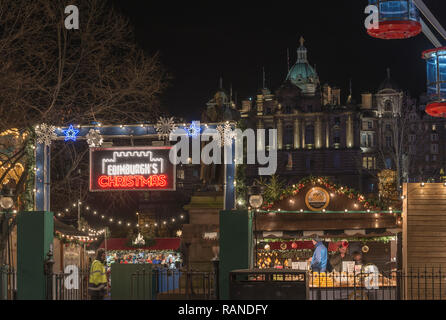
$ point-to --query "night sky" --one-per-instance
(199, 41)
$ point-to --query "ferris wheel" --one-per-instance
(402, 20)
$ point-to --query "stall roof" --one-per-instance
(160, 244)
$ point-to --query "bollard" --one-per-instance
(48, 268)
(215, 264)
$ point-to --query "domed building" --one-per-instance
(302, 74)
(317, 134)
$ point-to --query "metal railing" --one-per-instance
(178, 284)
(68, 286)
(8, 283)
(421, 283)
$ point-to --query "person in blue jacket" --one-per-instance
(320, 256)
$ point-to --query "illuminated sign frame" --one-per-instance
(310, 193)
(163, 178)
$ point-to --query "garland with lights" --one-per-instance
(120, 222)
(325, 182)
(79, 240)
(384, 239)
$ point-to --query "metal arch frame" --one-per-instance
(42, 191)
(433, 21)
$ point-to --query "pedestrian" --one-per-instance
(319, 259)
(340, 256)
(97, 284)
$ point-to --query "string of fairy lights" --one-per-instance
(112, 220)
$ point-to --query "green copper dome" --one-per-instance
(302, 74)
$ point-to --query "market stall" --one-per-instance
(338, 216)
(164, 252)
(155, 267)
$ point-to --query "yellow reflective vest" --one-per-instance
(98, 278)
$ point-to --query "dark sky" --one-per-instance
(199, 41)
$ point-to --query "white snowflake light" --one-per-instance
(94, 138)
(165, 126)
(226, 135)
(45, 134)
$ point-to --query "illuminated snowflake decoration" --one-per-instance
(226, 135)
(165, 126)
(194, 129)
(70, 133)
(94, 138)
(45, 134)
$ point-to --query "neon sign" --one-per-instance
(131, 169)
(111, 182)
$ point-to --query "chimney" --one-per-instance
(366, 101)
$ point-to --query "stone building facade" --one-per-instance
(317, 134)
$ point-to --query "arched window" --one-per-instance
(388, 106)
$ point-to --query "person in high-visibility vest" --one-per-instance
(97, 285)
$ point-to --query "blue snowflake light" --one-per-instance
(70, 133)
(194, 129)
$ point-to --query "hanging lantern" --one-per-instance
(436, 81)
(397, 19)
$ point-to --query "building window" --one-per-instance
(367, 140)
(412, 138)
(363, 140)
(370, 124)
(434, 137)
(434, 148)
(336, 137)
(337, 121)
(368, 162)
(388, 106)
(434, 158)
(309, 135)
(427, 158)
(388, 126)
(388, 163)
(289, 135)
